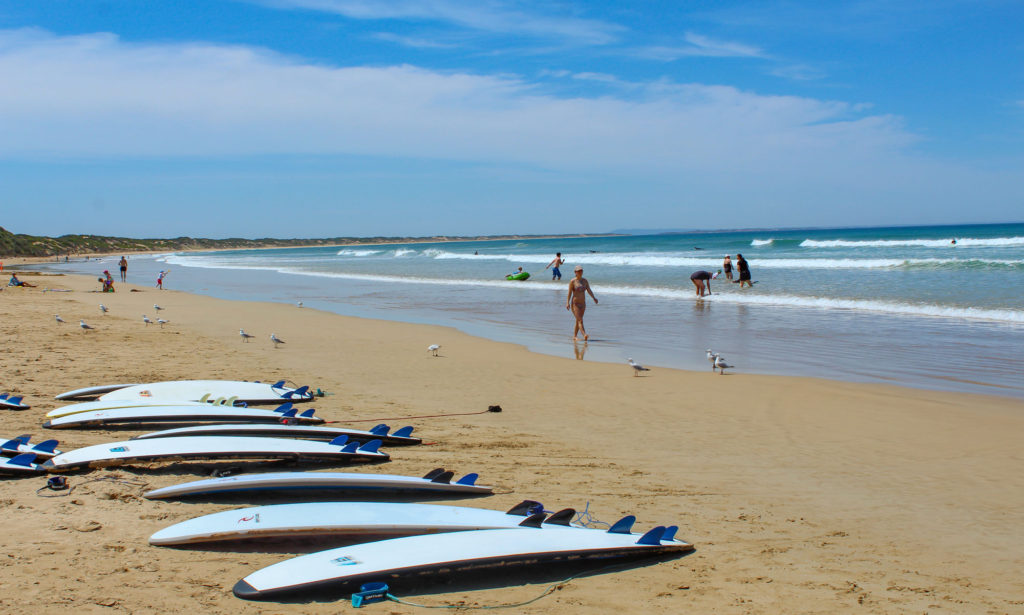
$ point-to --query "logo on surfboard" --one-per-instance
(345, 560)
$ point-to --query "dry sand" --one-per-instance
(801, 495)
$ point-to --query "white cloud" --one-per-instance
(700, 46)
(484, 15)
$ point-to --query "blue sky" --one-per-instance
(311, 118)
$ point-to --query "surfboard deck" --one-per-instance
(403, 559)
(436, 481)
(193, 390)
(201, 413)
(201, 447)
(94, 391)
(307, 432)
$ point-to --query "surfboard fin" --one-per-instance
(340, 440)
(10, 445)
(46, 446)
(469, 479)
(623, 525)
(350, 447)
(308, 414)
(289, 413)
(562, 517)
(404, 432)
(670, 533)
(444, 477)
(24, 438)
(277, 385)
(534, 520)
(433, 473)
(380, 430)
(526, 508)
(652, 537)
(286, 406)
(370, 447)
(24, 459)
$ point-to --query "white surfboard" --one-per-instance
(12, 403)
(20, 445)
(401, 436)
(412, 558)
(201, 447)
(180, 414)
(193, 390)
(23, 464)
(355, 520)
(95, 391)
(88, 406)
(437, 481)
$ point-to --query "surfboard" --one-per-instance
(202, 447)
(12, 403)
(193, 390)
(105, 405)
(355, 520)
(180, 414)
(438, 481)
(401, 560)
(20, 464)
(20, 445)
(401, 436)
(95, 391)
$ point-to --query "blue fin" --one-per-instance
(380, 430)
(46, 446)
(670, 533)
(351, 447)
(370, 447)
(653, 537)
(469, 479)
(284, 407)
(308, 414)
(11, 445)
(534, 520)
(404, 432)
(289, 413)
(14, 400)
(24, 459)
(623, 525)
(299, 392)
(277, 385)
(4, 396)
(24, 438)
(340, 440)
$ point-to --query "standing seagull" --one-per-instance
(433, 348)
(58, 318)
(299, 304)
(157, 307)
(146, 320)
(277, 341)
(711, 358)
(104, 309)
(162, 322)
(85, 327)
(721, 364)
(245, 336)
(637, 368)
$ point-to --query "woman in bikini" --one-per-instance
(576, 302)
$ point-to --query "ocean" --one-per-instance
(937, 307)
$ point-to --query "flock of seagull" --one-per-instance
(104, 309)
(717, 363)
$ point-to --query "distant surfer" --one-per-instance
(576, 301)
(953, 242)
(556, 274)
(123, 264)
(744, 269)
(727, 267)
(701, 279)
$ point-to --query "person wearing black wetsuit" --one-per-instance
(744, 269)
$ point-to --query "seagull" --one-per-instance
(146, 320)
(81, 323)
(712, 357)
(299, 304)
(157, 307)
(104, 309)
(433, 348)
(245, 336)
(162, 322)
(58, 318)
(277, 341)
(637, 368)
(721, 364)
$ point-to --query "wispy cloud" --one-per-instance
(411, 41)
(483, 15)
(702, 46)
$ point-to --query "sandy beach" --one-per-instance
(800, 495)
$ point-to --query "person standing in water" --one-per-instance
(699, 279)
(727, 267)
(576, 301)
(744, 269)
(556, 274)
(123, 264)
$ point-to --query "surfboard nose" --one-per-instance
(245, 591)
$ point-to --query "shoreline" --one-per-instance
(799, 494)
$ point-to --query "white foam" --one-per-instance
(921, 243)
(350, 252)
(762, 242)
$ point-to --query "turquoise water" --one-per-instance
(901, 305)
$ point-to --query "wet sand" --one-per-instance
(801, 495)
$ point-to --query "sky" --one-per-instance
(324, 118)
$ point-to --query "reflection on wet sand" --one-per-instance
(579, 350)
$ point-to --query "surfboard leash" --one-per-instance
(63, 488)
(422, 416)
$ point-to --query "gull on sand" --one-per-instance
(104, 309)
(433, 348)
(58, 318)
(711, 358)
(146, 320)
(157, 307)
(81, 323)
(721, 364)
(637, 368)
(245, 336)
(277, 341)
(162, 322)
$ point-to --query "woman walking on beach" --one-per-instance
(576, 302)
(744, 269)
(123, 264)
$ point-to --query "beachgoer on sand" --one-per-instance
(123, 264)
(727, 267)
(700, 279)
(556, 274)
(576, 301)
(160, 279)
(744, 269)
(16, 282)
